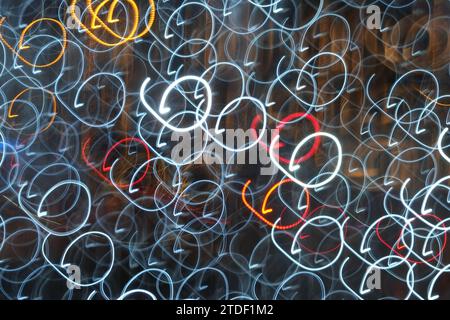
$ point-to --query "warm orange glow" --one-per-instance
(265, 210)
(22, 47)
(97, 22)
(52, 119)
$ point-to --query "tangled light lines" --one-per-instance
(254, 149)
